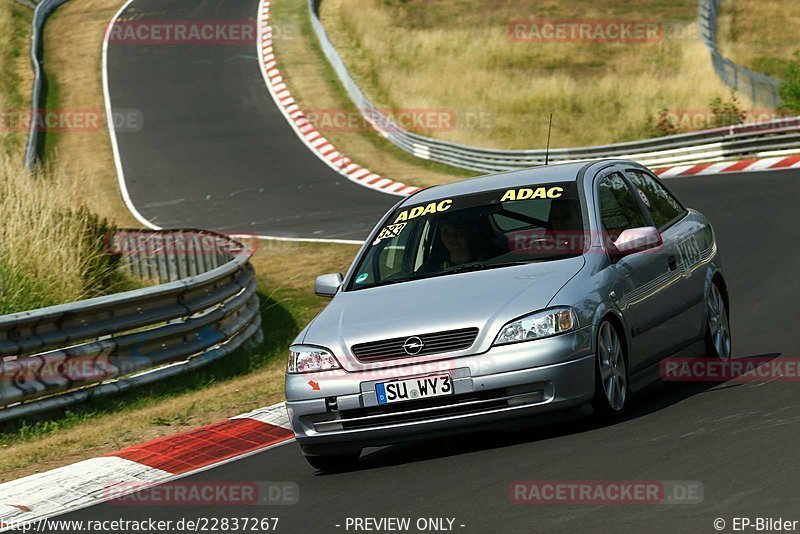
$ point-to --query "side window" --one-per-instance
(392, 256)
(660, 203)
(618, 208)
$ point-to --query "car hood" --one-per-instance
(483, 299)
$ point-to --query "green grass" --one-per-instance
(760, 34)
(52, 104)
(13, 46)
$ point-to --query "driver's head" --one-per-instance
(458, 233)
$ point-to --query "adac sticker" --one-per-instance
(428, 209)
(524, 193)
(361, 277)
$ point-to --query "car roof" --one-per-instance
(544, 174)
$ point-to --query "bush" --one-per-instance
(789, 89)
(665, 125)
(726, 113)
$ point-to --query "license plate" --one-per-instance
(414, 389)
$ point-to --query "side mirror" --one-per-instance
(327, 285)
(635, 240)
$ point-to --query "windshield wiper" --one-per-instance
(465, 268)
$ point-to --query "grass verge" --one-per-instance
(52, 248)
(760, 34)
(15, 71)
(75, 84)
(460, 56)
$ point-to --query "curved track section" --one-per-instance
(215, 151)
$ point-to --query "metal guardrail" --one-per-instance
(708, 145)
(759, 87)
(206, 309)
(26, 3)
(40, 14)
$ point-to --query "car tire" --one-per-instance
(611, 372)
(333, 463)
(718, 328)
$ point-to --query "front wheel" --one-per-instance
(718, 328)
(334, 462)
(611, 375)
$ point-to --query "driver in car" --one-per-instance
(465, 240)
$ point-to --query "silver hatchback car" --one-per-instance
(503, 297)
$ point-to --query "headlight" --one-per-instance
(537, 325)
(306, 359)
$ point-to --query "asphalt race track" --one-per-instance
(738, 439)
(216, 152)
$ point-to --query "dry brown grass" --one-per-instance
(458, 55)
(295, 265)
(760, 34)
(49, 245)
(74, 69)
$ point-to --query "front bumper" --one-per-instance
(504, 383)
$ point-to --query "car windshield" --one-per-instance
(480, 231)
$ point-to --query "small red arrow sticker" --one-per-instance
(313, 385)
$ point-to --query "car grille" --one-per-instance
(388, 349)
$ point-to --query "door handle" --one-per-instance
(673, 264)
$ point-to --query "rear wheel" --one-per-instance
(611, 374)
(718, 328)
(334, 462)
